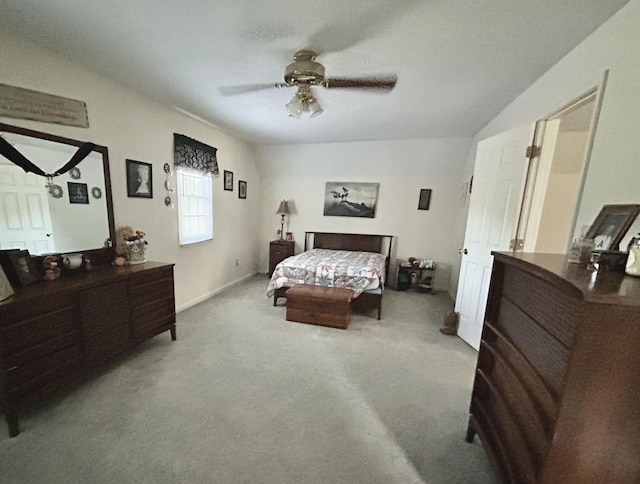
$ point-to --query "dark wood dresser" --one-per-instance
(556, 397)
(279, 250)
(52, 333)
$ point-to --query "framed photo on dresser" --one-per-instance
(23, 267)
(6, 291)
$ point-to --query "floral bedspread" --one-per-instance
(335, 268)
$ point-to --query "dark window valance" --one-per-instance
(192, 154)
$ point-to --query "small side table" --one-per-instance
(412, 277)
(279, 250)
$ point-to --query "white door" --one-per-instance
(491, 224)
(25, 221)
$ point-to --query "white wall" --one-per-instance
(614, 171)
(134, 127)
(299, 173)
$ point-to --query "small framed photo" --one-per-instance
(611, 225)
(242, 189)
(289, 236)
(228, 180)
(23, 267)
(78, 192)
(6, 290)
(425, 199)
(139, 179)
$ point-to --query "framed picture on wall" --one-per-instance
(139, 179)
(228, 180)
(425, 199)
(78, 192)
(242, 189)
(351, 199)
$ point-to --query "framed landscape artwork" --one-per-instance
(351, 199)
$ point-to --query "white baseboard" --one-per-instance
(212, 293)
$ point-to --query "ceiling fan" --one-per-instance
(303, 73)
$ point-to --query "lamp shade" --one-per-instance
(283, 208)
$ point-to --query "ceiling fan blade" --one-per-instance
(233, 90)
(374, 83)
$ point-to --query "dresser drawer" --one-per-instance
(24, 378)
(107, 344)
(553, 310)
(535, 425)
(42, 349)
(539, 347)
(153, 315)
(38, 330)
(508, 435)
(146, 291)
(17, 313)
(280, 252)
(103, 307)
(143, 278)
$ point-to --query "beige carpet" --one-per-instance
(244, 396)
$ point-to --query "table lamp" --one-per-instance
(283, 210)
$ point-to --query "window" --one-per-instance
(195, 206)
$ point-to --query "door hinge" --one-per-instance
(533, 151)
(516, 244)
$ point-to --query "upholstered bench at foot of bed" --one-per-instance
(325, 306)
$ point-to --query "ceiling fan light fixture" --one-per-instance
(295, 107)
(314, 108)
(304, 69)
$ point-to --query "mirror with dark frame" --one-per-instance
(72, 212)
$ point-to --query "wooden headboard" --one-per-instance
(358, 242)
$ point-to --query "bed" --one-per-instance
(356, 261)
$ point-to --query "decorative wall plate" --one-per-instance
(96, 192)
(166, 167)
(75, 173)
(167, 201)
(56, 191)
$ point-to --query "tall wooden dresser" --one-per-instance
(52, 333)
(556, 397)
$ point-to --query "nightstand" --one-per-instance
(279, 250)
(409, 276)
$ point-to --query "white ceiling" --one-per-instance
(458, 62)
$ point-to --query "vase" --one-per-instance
(135, 253)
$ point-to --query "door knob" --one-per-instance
(463, 251)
